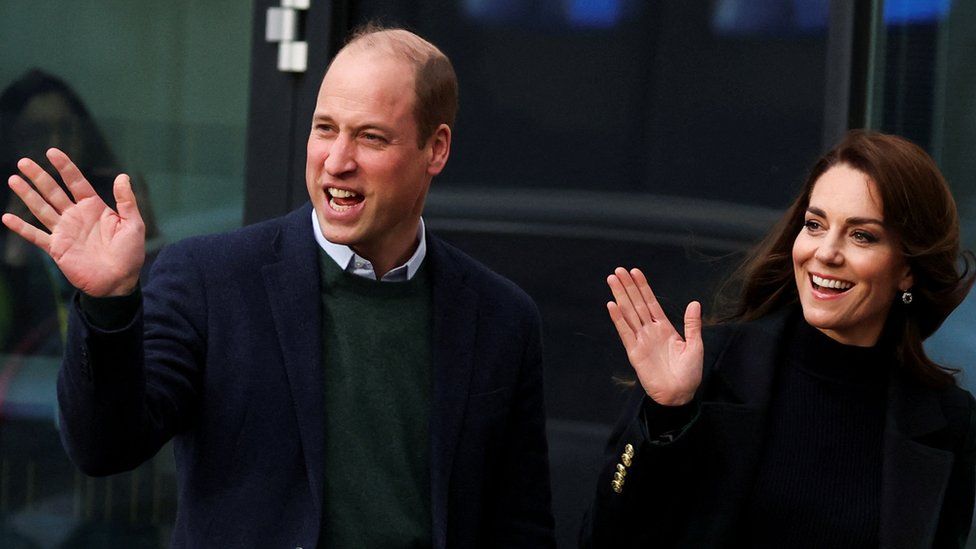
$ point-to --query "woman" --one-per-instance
(39, 111)
(811, 417)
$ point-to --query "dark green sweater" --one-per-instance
(377, 360)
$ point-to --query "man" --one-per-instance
(335, 377)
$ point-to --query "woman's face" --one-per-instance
(848, 265)
(48, 121)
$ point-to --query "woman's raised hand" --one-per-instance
(668, 367)
(100, 251)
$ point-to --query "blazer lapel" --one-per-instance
(914, 476)
(293, 289)
(734, 411)
(455, 323)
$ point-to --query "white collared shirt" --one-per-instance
(353, 263)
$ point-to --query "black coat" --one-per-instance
(690, 492)
(226, 356)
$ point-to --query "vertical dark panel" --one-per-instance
(862, 54)
(281, 106)
(840, 51)
(326, 25)
(848, 68)
(270, 122)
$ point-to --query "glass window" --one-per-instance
(599, 133)
(682, 98)
(926, 93)
(159, 91)
(664, 134)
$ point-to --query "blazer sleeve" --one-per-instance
(649, 466)
(123, 393)
(957, 508)
(644, 472)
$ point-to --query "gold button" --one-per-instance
(621, 469)
(618, 477)
(617, 486)
(626, 460)
(629, 450)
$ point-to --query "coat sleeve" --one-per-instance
(641, 483)
(957, 509)
(646, 485)
(123, 393)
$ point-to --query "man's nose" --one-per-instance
(342, 157)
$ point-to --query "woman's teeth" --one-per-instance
(832, 284)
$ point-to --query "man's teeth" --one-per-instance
(831, 283)
(341, 193)
(338, 207)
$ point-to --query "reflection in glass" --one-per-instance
(39, 488)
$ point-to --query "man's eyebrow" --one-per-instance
(850, 220)
(375, 126)
(321, 117)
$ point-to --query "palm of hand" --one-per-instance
(95, 248)
(100, 251)
(668, 367)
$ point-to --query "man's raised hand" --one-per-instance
(669, 368)
(100, 251)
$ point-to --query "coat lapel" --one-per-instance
(914, 476)
(734, 411)
(455, 323)
(293, 288)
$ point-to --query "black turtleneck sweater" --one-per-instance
(819, 479)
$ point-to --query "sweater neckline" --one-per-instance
(821, 356)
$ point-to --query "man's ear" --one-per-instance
(439, 146)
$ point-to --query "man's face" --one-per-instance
(366, 176)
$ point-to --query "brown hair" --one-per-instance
(435, 83)
(918, 208)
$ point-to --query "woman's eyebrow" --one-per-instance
(850, 220)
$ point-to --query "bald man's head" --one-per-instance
(435, 84)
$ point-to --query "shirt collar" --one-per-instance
(353, 263)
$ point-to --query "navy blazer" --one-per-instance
(225, 355)
(690, 492)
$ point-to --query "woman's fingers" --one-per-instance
(42, 210)
(635, 295)
(624, 303)
(693, 323)
(627, 336)
(79, 186)
(46, 186)
(27, 231)
(648, 297)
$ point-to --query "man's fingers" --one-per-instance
(125, 198)
(623, 301)
(45, 184)
(27, 231)
(693, 322)
(79, 186)
(627, 336)
(44, 212)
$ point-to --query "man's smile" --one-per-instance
(342, 200)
